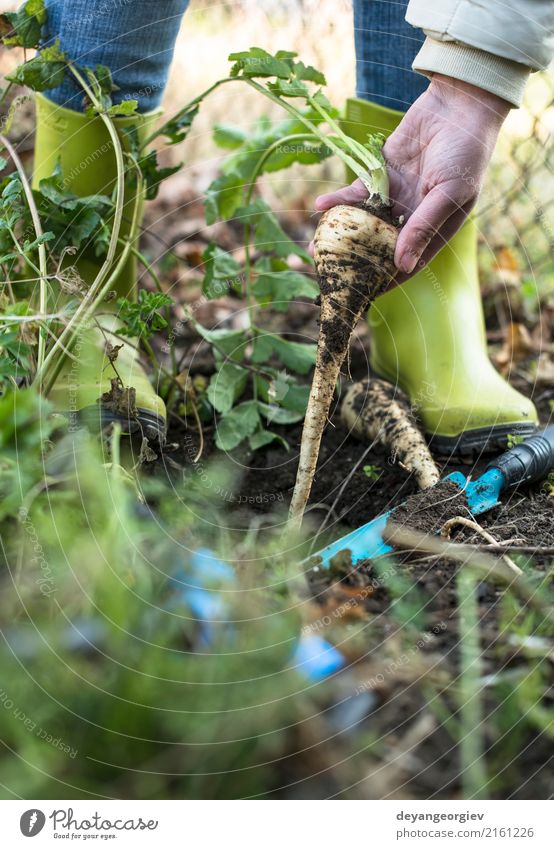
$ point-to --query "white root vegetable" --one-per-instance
(354, 258)
(376, 411)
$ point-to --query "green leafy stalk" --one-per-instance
(99, 288)
(290, 80)
(43, 269)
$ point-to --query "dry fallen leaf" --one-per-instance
(517, 346)
(545, 370)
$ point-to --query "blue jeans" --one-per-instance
(136, 38)
(385, 48)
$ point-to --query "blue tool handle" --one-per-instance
(529, 461)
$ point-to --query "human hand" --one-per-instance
(437, 158)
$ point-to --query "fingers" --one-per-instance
(439, 240)
(422, 226)
(349, 194)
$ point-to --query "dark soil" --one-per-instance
(409, 652)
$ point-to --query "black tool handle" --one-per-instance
(529, 461)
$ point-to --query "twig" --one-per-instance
(474, 526)
(467, 555)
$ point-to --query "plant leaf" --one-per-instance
(235, 426)
(257, 62)
(298, 356)
(294, 88)
(230, 342)
(226, 386)
(177, 128)
(38, 74)
(279, 415)
(152, 173)
(222, 271)
(269, 235)
(23, 28)
(223, 196)
(126, 107)
(229, 136)
(264, 437)
(280, 287)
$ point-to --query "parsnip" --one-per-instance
(354, 258)
(374, 410)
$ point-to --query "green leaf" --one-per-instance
(222, 271)
(23, 28)
(230, 342)
(235, 426)
(38, 74)
(153, 175)
(280, 287)
(307, 72)
(297, 356)
(226, 386)
(283, 390)
(269, 235)
(143, 318)
(279, 415)
(263, 437)
(223, 196)
(105, 80)
(177, 128)
(228, 136)
(126, 107)
(257, 62)
(294, 88)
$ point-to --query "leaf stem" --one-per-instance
(43, 268)
(98, 288)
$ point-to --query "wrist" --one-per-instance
(460, 95)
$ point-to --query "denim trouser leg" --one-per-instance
(134, 38)
(385, 48)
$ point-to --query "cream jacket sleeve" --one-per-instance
(493, 44)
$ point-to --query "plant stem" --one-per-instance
(158, 283)
(160, 131)
(473, 773)
(43, 268)
(86, 308)
(374, 185)
(292, 137)
(348, 160)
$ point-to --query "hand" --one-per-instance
(437, 158)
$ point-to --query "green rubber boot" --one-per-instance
(428, 337)
(83, 148)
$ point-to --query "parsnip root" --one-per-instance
(374, 410)
(354, 258)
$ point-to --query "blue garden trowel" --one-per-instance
(524, 463)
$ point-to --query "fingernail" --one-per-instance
(408, 262)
